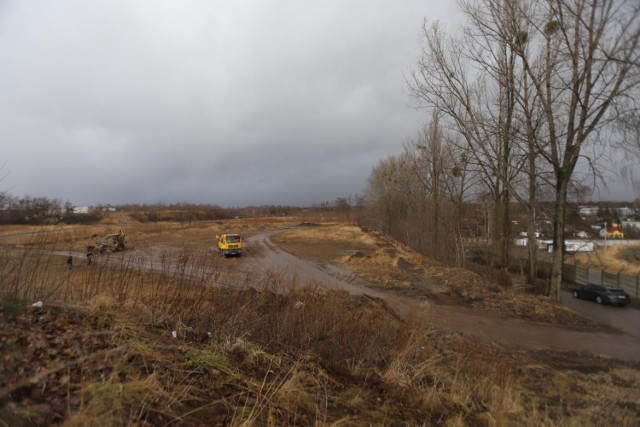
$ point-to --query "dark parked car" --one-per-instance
(602, 294)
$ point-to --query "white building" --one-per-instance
(631, 225)
(587, 210)
(573, 246)
(625, 212)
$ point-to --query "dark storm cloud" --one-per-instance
(227, 102)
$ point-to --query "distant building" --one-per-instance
(104, 208)
(587, 210)
(571, 246)
(614, 232)
(625, 212)
(629, 225)
(81, 209)
(526, 234)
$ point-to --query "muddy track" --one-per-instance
(511, 332)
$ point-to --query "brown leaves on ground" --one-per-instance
(46, 356)
(64, 366)
(61, 366)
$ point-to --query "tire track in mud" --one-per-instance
(511, 332)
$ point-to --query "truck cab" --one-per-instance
(229, 244)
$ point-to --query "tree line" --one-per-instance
(42, 210)
(38, 210)
(525, 100)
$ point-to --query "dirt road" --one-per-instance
(512, 332)
(625, 319)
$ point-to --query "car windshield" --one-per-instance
(233, 239)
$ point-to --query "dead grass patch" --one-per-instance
(615, 259)
(261, 353)
(384, 263)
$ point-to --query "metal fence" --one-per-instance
(593, 276)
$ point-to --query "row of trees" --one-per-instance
(41, 210)
(419, 196)
(528, 93)
(31, 210)
(188, 212)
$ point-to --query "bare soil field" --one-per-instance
(170, 333)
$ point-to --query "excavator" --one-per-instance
(109, 243)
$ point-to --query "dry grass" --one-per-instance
(583, 388)
(258, 352)
(614, 259)
(384, 263)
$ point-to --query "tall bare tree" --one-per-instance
(385, 193)
(547, 73)
(581, 57)
(428, 168)
(418, 196)
(473, 82)
(496, 31)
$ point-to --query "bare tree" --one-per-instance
(384, 193)
(343, 207)
(475, 83)
(629, 128)
(428, 164)
(418, 197)
(531, 84)
(581, 57)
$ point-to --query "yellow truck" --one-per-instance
(229, 244)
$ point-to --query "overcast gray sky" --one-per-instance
(227, 102)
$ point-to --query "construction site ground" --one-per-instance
(551, 341)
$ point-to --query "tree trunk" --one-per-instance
(555, 286)
(505, 233)
(531, 213)
(533, 248)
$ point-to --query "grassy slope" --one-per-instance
(101, 352)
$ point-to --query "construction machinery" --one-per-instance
(109, 243)
(229, 244)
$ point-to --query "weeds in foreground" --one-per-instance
(172, 339)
